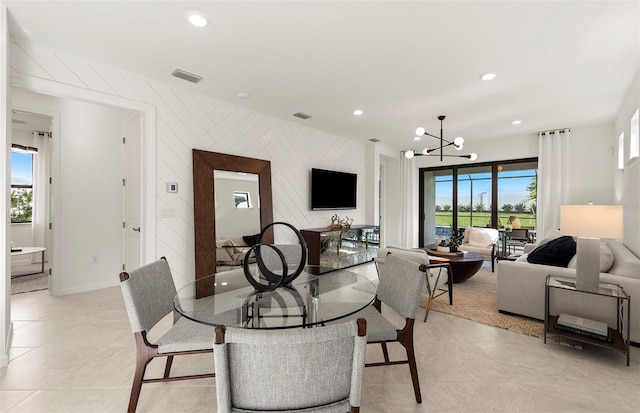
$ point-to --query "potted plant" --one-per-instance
(454, 243)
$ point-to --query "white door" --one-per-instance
(132, 173)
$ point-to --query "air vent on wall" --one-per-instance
(301, 115)
(189, 77)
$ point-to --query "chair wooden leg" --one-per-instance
(167, 368)
(144, 354)
(405, 337)
(385, 352)
(427, 308)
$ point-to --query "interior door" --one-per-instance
(132, 165)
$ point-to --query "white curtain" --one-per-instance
(553, 179)
(408, 202)
(40, 190)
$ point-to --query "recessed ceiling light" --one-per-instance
(358, 112)
(488, 76)
(244, 95)
(417, 138)
(197, 19)
(516, 122)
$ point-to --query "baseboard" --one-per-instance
(4, 358)
(87, 288)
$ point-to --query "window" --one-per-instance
(241, 199)
(483, 195)
(21, 184)
(621, 151)
(634, 136)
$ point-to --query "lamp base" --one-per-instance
(588, 264)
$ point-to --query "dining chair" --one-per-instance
(148, 294)
(438, 281)
(400, 287)
(285, 370)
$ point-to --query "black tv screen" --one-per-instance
(333, 189)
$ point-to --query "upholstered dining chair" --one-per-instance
(148, 295)
(285, 370)
(438, 281)
(400, 288)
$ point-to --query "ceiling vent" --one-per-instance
(189, 77)
(301, 115)
(374, 140)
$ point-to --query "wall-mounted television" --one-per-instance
(333, 189)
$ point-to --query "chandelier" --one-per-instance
(457, 143)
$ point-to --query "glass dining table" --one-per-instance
(310, 300)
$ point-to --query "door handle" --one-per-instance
(136, 229)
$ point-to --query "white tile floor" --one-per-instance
(76, 354)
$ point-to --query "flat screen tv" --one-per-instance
(333, 189)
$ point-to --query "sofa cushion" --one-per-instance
(557, 252)
(482, 237)
(624, 262)
(606, 258)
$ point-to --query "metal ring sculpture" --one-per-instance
(275, 280)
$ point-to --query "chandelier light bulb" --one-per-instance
(458, 141)
(425, 151)
(420, 131)
(459, 147)
(408, 154)
(473, 156)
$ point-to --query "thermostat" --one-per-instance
(172, 187)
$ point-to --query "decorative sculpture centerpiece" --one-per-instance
(272, 269)
(337, 223)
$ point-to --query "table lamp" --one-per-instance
(590, 223)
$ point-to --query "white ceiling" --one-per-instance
(558, 63)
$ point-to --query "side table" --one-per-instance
(612, 291)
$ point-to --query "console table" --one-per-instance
(332, 249)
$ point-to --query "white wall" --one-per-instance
(90, 179)
(5, 191)
(187, 120)
(627, 181)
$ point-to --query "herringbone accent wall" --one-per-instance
(187, 120)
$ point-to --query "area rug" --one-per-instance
(29, 283)
(476, 299)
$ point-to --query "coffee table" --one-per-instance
(463, 267)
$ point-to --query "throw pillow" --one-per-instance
(606, 258)
(480, 238)
(251, 240)
(557, 252)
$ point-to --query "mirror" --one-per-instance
(205, 165)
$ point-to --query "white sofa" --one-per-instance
(521, 289)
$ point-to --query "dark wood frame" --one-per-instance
(204, 209)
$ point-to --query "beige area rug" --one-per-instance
(21, 283)
(476, 299)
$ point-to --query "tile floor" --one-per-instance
(76, 354)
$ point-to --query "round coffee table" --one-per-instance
(463, 267)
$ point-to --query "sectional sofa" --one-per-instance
(521, 288)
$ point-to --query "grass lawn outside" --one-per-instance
(483, 219)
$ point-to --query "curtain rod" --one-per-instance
(551, 132)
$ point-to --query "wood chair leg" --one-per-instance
(405, 337)
(136, 387)
(167, 368)
(385, 352)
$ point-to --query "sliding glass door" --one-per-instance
(491, 194)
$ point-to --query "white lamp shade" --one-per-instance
(599, 221)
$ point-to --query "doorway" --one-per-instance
(30, 160)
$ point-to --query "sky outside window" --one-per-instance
(21, 168)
